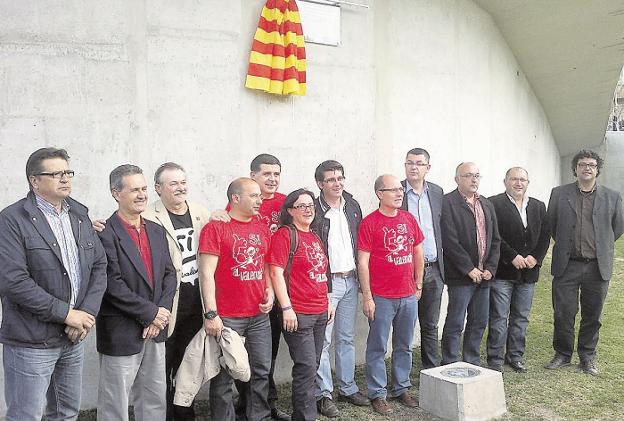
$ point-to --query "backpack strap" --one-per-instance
(294, 244)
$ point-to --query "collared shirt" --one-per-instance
(420, 207)
(141, 241)
(339, 244)
(60, 224)
(477, 211)
(584, 235)
(522, 209)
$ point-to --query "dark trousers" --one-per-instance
(428, 315)
(581, 279)
(475, 301)
(510, 305)
(275, 318)
(257, 333)
(187, 325)
(305, 346)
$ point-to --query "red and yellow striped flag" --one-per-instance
(277, 63)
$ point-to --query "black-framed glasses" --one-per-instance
(471, 175)
(416, 164)
(301, 207)
(57, 175)
(587, 165)
(394, 190)
(334, 180)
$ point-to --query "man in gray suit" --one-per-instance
(585, 221)
(423, 199)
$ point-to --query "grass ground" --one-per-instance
(540, 394)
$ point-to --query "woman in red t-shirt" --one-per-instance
(306, 308)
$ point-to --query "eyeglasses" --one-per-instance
(303, 207)
(587, 165)
(57, 175)
(522, 180)
(471, 175)
(334, 180)
(416, 164)
(394, 190)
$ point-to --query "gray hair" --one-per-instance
(164, 167)
(116, 176)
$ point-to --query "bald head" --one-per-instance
(244, 197)
(467, 178)
(238, 186)
(389, 191)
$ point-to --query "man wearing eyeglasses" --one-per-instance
(471, 249)
(390, 268)
(423, 199)
(52, 280)
(585, 221)
(524, 243)
(336, 222)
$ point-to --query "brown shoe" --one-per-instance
(380, 405)
(407, 400)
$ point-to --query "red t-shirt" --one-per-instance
(308, 273)
(390, 242)
(240, 280)
(269, 211)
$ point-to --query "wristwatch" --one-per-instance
(210, 314)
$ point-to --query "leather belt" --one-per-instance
(430, 264)
(583, 259)
(344, 275)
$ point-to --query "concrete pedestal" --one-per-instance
(462, 391)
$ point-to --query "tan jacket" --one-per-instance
(157, 212)
(203, 359)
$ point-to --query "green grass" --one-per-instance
(540, 394)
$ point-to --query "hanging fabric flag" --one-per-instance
(277, 63)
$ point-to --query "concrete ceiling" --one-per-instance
(572, 52)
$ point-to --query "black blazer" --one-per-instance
(459, 239)
(608, 220)
(517, 240)
(435, 200)
(130, 304)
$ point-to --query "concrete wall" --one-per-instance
(147, 81)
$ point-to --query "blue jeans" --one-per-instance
(510, 304)
(36, 379)
(428, 316)
(305, 346)
(400, 314)
(257, 333)
(475, 300)
(344, 300)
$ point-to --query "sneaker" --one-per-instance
(327, 407)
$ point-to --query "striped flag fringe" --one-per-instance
(277, 63)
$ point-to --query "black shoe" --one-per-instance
(558, 361)
(518, 366)
(589, 367)
(495, 367)
(327, 407)
(279, 415)
(356, 399)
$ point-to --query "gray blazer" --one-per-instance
(435, 199)
(608, 226)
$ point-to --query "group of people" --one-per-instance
(154, 278)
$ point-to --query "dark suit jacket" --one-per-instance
(435, 200)
(517, 240)
(130, 304)
(608, 226)
(459, 239)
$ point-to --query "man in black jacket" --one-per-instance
(52, 280)
(131, 327)
(336, 222)
(471, 249)
(423, 199)
(524, 243)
